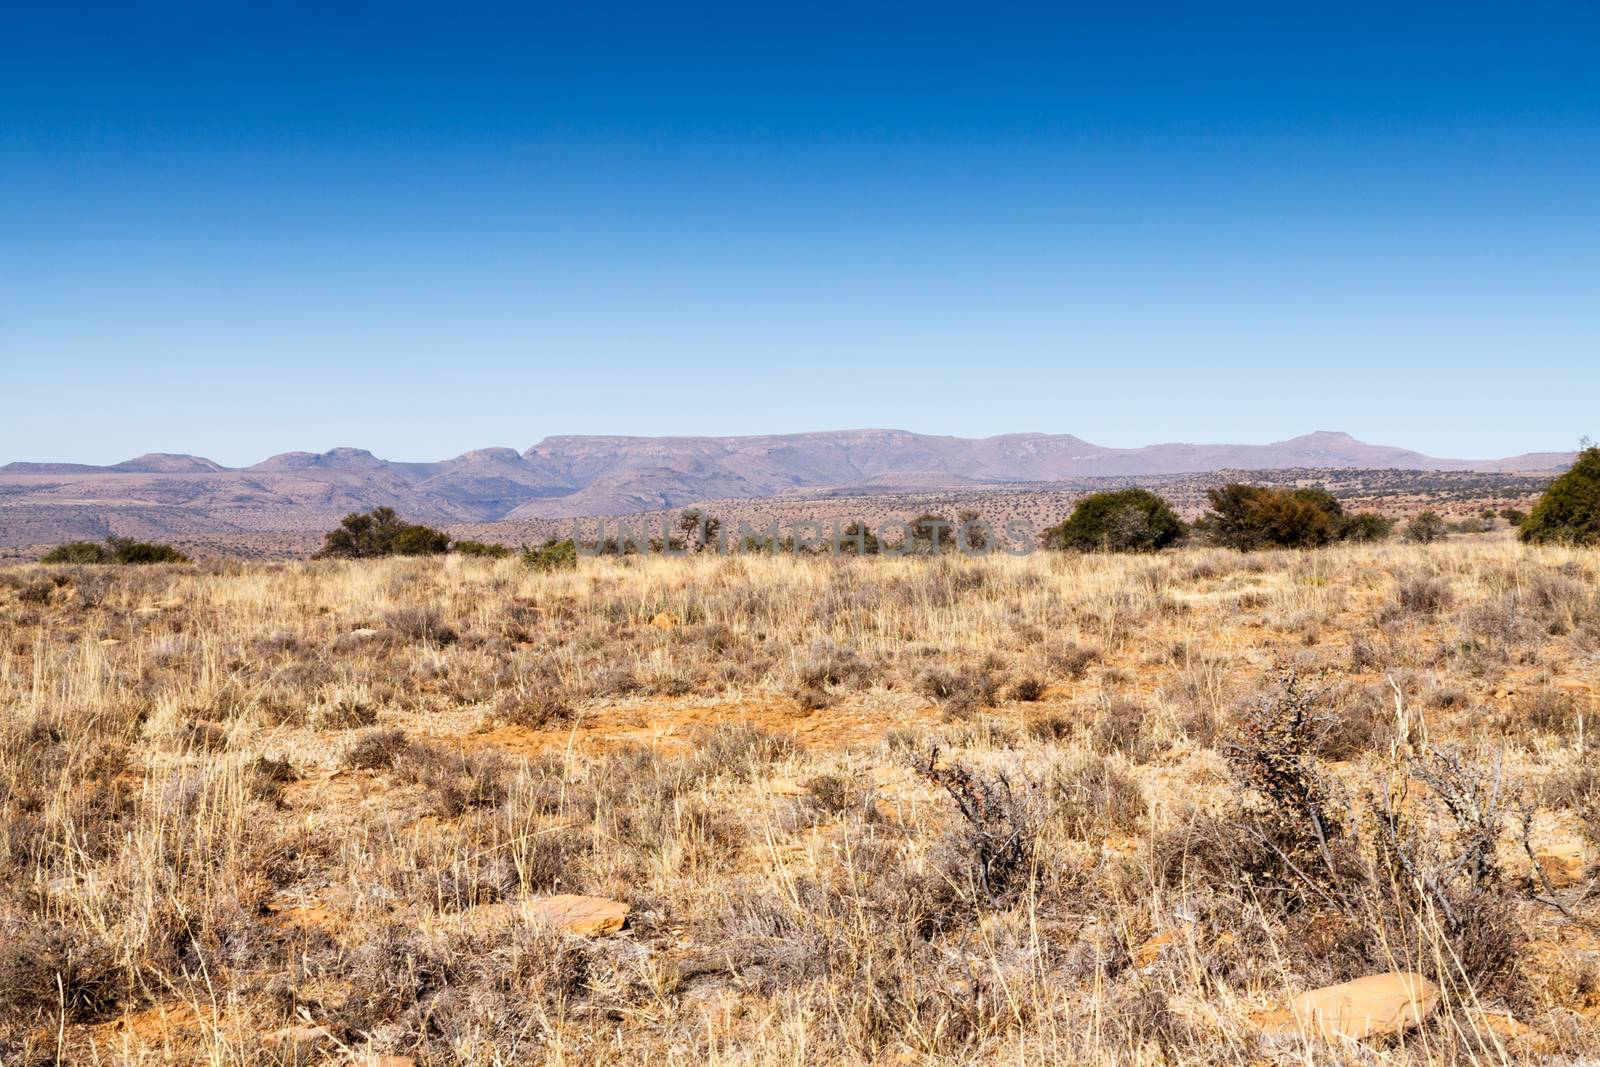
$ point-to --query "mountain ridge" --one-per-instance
(592, 475)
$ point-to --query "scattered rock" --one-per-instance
(1501, 1024)
(1377, 1004)
(666, 620)
(590, 916)
(1562, 864)
(352, 638)
(1145, 954)
(299, 1038)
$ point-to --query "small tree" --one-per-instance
(1426, 528)
(380, 532)
(1126, 520)
(1569, 511)
(700, 529)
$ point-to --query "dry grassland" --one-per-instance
(1054, 809)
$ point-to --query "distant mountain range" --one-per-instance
(591, 476)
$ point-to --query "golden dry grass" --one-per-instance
(241, 798)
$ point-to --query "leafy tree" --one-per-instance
(1569, 511)
(380, 532)
(553, 555)
(1513, 516)
(76, 552)
(1126, 520)
(1426, 528)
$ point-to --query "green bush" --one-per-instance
(1249, 517)
(1569, 511)
(76, 552)
(553, 555)
(1127, 520)
(480, 548)
(1514, 516)
(1363, 526)
(381, 532)
(1426, 528)
(116, 550)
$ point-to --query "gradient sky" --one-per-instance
(241, 233)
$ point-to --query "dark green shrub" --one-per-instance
(413, 540)
(1249, 517)
(76, 552)
(480, 548)
(1127, 520)
(127, 550)
(1363, 526)
(1426, 528)
(115, 550)
(930, 532)
(1513, 516)
(380, 532)
(553, 555)
(1569, 511)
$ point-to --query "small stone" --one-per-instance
(1377, 1004)
(590, 916)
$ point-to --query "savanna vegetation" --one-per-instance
(1069, 807)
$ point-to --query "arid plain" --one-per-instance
(789, 810)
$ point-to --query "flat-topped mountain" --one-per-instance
(611, 475)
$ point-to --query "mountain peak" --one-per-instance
(167, 463)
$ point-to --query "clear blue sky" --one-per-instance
(240, 233)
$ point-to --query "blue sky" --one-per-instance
(237, 232)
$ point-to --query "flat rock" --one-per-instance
(1377, 1004)
(590, 916)
(1562, 864)
(296, 1037)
